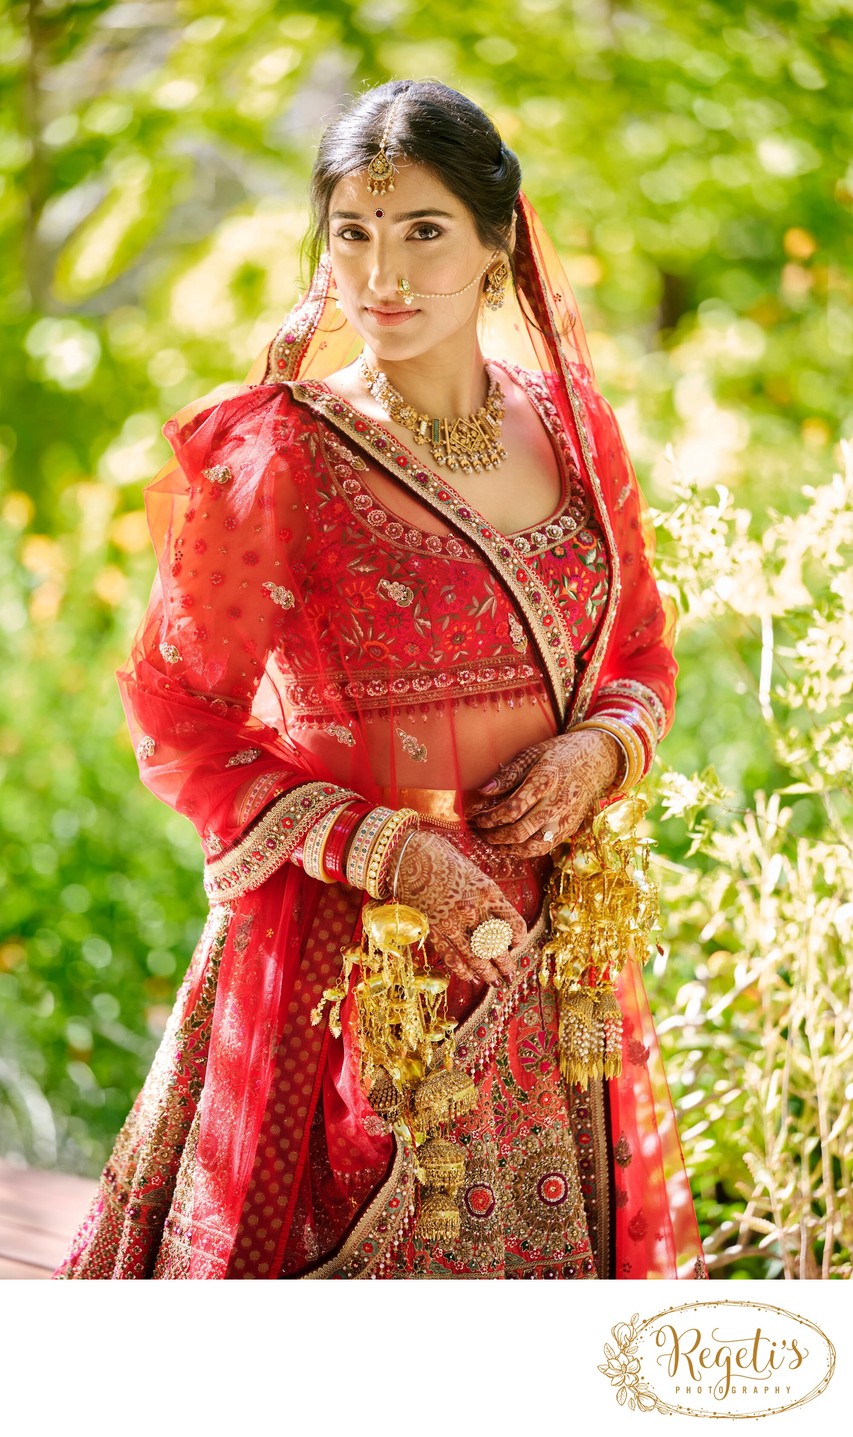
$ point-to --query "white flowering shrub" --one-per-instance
(755, 979)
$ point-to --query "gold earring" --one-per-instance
(496, 281)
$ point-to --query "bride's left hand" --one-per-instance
(548, 788)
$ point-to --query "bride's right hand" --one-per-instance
(456, 896)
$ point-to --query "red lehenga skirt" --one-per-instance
(559, 1182)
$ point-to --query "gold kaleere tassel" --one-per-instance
(610, 1017)
(439, 1220)
(602, 907)
(406, 1052)
(581, 1057)
(447, 1094)
(442, 1164)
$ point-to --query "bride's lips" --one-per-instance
(389, 317)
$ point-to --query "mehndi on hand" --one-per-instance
(540, 798)
(456, 897)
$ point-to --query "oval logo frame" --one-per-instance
(735, 1359)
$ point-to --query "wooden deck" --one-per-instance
(39, 1214)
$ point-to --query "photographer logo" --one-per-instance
(714, 1359)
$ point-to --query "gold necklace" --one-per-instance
(472, 443)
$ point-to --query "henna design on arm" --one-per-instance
(568, 774)
(456, 896)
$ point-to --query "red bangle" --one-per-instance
(333, 854)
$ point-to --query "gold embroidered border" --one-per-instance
(603, 1177)
(542, 613)
(572, 514)
(372, 688)
(255, 794)
(582, 696)
(272, 840)
(293, 338)
(363, 1251)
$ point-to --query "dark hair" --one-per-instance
(432, 126)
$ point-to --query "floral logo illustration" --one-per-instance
(624, 1369)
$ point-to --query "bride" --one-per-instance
(403, 641)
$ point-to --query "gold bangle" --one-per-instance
(635, 718)
(643, 720)
(638, 753)
(626, 758)
(630, 742)
(403, 818)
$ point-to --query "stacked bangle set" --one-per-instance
(376, 836)
(375, 833)
(634, 730)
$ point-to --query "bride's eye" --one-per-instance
(348, 231)
(423, 232)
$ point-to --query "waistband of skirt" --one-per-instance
(442, 805)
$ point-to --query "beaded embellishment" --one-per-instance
(246, 755)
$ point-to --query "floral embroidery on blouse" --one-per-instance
(457, 633)
(517, 634)
(400, 593)
(341, 733)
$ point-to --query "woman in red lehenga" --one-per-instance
(404, 639)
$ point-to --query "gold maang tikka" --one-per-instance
(381, 171)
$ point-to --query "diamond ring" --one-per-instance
(491, 938)
(548, 835)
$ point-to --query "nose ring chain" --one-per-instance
(405, 289)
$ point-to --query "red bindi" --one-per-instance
(379, 214)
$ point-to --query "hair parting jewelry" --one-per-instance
(381, 170)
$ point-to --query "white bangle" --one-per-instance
(406, 840)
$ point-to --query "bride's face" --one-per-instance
(420, 232)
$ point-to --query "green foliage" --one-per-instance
(693, 164)
(756, 966)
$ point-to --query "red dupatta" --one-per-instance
(209, 712)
